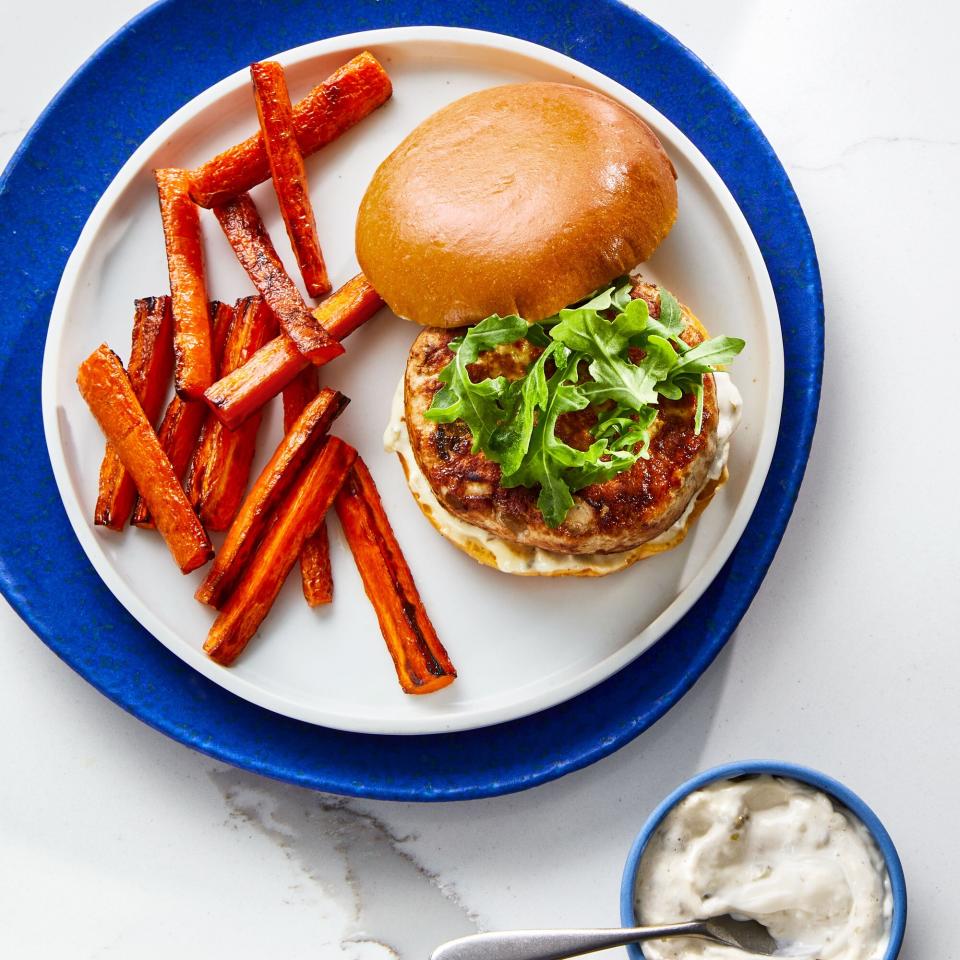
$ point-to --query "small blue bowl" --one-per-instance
(775, 768)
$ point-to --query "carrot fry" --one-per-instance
(348, 308)
(289, 175)
(151, 360)
(178, 435)
(316, 573)
(220, 468)
(241, 393)
(298, 393)
(191, 315)
(328, 111)
(420, 658)
(267, 492)
(106, 388)
(181, 425)
(297, 518)
(234, 397)
(254, 249)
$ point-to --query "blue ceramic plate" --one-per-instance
(47, 194)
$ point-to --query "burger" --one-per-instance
(559, 414)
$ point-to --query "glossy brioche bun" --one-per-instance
(517, 199)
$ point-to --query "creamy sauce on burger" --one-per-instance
(773, 850)
(515, 558)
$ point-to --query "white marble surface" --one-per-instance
(116, 842)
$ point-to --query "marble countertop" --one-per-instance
(117, 842)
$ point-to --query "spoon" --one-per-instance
(747, 935)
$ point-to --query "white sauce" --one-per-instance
(515, 558)
(773, 850)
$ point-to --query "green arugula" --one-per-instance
(588, 358)
(603, 343)
(546, 457)
(475, 403)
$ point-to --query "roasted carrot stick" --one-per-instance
(241, 393)
(316, 573)
(297, 518)
(151, 360)
(106, 388)
(181, 425)
(191, 315)
(220, 468)
(298, 393)
(276, 478)
(233, 398)
(289, 174)
(178, 435)
(329, 110)
(251, 243)
(421, 661)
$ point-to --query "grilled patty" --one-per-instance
(631, 508)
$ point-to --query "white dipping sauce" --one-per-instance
(773, 850)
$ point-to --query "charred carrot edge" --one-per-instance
(289, 174)
(316, 574)
(183, 420)
(254, 249)
(420, 658)
(191, 315)
(326, 112)
(233, 398)
(220, 467)
(151, 360)
(297, 518)
(266, 493)
(106, 388)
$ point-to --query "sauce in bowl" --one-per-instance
(774, 850)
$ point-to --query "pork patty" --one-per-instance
(619, 514)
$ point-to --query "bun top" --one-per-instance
(517, 199)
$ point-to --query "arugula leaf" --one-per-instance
(547, 455)
(510, 442)
(617, 295)
(698, 415)
(713, 353)
(671, 316)
(597, 470)
(625, 429)
(603, 343)
(687, 374)
(462, 399)
(537, 335)
(489, 333)
(670, 389)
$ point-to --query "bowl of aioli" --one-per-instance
(809, 782)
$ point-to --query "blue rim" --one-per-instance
(150, 68)
(821, 781)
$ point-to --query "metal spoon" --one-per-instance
(748, 935)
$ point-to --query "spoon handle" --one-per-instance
(554, 944)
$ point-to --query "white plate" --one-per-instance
(519, 644)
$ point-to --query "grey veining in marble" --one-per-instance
(354, 858)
